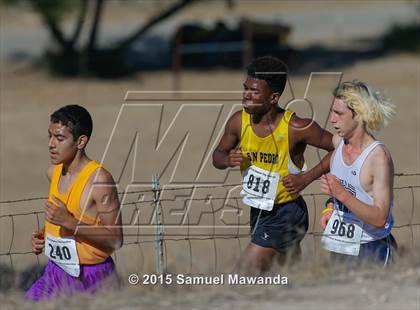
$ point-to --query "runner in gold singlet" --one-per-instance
(82, 218)
(268, 144)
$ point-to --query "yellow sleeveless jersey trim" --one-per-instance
(270, 153)
(88, 252)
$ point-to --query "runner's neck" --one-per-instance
(77, 164)
(270, 118)
(358, 141)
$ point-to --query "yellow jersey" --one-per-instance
(88, 252)
(270, 153)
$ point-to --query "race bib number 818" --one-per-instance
(259, 188)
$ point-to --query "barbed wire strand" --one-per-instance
(401, 174)
(189, 239)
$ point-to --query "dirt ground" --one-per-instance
(24, 158)
(310, 287)
(29, 95)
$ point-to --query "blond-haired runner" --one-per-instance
(357, 227)
(268, 144)
(82, 219)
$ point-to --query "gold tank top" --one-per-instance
(88, 252)
(270, 153)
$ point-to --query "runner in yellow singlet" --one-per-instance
(268, 144)
(82, 219)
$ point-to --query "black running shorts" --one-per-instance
(282, 228)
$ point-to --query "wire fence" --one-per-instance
(161, 217)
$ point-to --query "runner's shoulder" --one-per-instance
(234, 123)
(50, 172)
(380, 156)
(236, 117)
(300, 123)
(103, 176)
(101, 183)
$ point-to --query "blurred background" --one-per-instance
(116, 39)
(92, 52)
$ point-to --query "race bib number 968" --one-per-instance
(342, 237)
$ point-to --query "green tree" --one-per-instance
(69, 56)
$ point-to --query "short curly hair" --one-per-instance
(76, 118)
(270, 69)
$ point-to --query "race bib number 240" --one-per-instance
(63, 252)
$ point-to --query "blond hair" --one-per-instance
(371, 109)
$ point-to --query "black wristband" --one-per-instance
(331, 199)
